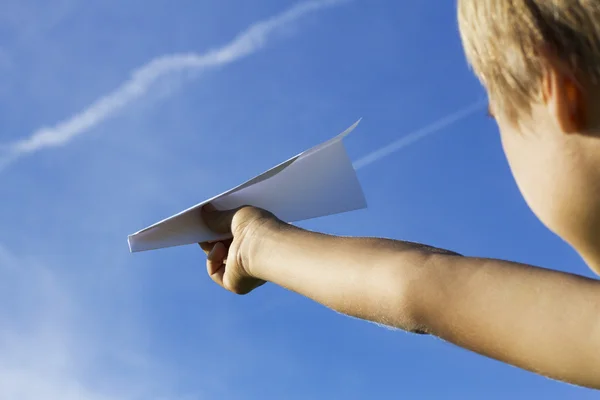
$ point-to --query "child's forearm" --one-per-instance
(540, 320)
(537, 319)
(354, 276)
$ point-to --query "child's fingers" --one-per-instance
(208, 246)
(218, 221)
(215, 262)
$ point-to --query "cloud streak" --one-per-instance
(253, 39)
(418, 135)
(46, 351)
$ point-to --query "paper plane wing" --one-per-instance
(317, 182)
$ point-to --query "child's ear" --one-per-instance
(565, 100)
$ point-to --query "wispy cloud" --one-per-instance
(246, 43)
(47, 352)
(418, 135)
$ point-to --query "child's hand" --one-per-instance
(229, 261)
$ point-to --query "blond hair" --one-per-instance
(508, 42)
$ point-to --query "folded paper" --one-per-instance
(317, 182)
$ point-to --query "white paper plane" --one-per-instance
(318, 182)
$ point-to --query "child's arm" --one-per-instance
(540, 320)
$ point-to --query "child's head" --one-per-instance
(539, 61)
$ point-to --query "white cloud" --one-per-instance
(418, 135)
(48, 352)
(49, 345)
(248, 42)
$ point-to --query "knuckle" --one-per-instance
(247, 218)
(236, 288)
(239, 291)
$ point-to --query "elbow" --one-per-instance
(419, 288)
(407, 281)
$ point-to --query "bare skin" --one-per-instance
(511, 312)
(537, 319)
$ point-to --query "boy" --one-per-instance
(539, 61)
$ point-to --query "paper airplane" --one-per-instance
(317, 182)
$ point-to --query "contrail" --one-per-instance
(246, 43)
(417, 135)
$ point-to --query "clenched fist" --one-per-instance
(229, 263)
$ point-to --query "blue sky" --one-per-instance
(91, 152)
